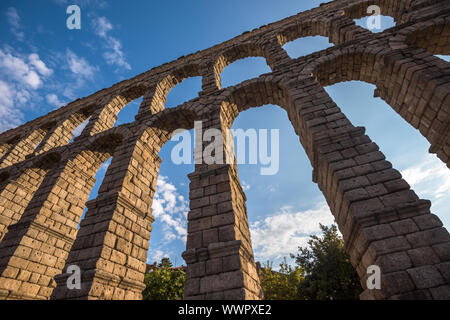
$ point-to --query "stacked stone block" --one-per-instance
(219, 254)
(45, 178)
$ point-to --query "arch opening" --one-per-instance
(184, 91)
(243, 51)
(156, 97)
(95, 161)
(169, 139)
(304, 46)
(128, 113)
(87, 227)
(244, 69)
(407, 149)
(273, 200)
(106, 116)
(392, 8)
(280, 219)
(376, 24)
(79, 129)
(348, 166)
(170, 207)
(99, 176)
(24, 147)
(79, 121)
(410, 101)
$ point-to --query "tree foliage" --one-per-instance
(164, 283)
(282, 284)
(323, 272)
(329, 274)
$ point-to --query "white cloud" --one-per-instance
(170, 208)
(9, 116)
(114, 54)
(39, 65)
(79, 66)
(245, 186)
(17, 69)
(54, 100)
(76, 71)
(281, 234)
(20, 77)
(157, 255)
(169, 236)
(13, 19)
(6, 94)
(102, 26)
(430, 178)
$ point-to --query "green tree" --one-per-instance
(282, 284)
(329, 274)
(164, 283)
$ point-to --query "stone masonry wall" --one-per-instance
(45, 177)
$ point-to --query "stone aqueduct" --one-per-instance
(45, 179)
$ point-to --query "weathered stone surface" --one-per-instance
(45, 178)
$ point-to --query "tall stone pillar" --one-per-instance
(35, 248)
(113, 240)
(17, 194)
(104, 117)
(382, 220)
(219, 254)
(151, 101)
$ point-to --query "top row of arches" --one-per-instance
(270, 48)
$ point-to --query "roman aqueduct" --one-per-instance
(45, 178)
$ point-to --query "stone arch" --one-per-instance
(238, 52)
(26, 145)
(63, 131)
(414, 92)
(338, 30)
(382, 220)
(433, 37)
(106, 142)
(156, 95)
(105, 116)
(172, 119)
(356, 64)
(5, 146)
(47, 161)
(20, 189)
(252, 93)
(349, 170)
(304, 29)
(49, 221)
(218, 252)
(117, 226)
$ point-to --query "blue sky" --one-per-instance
(43, 66)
